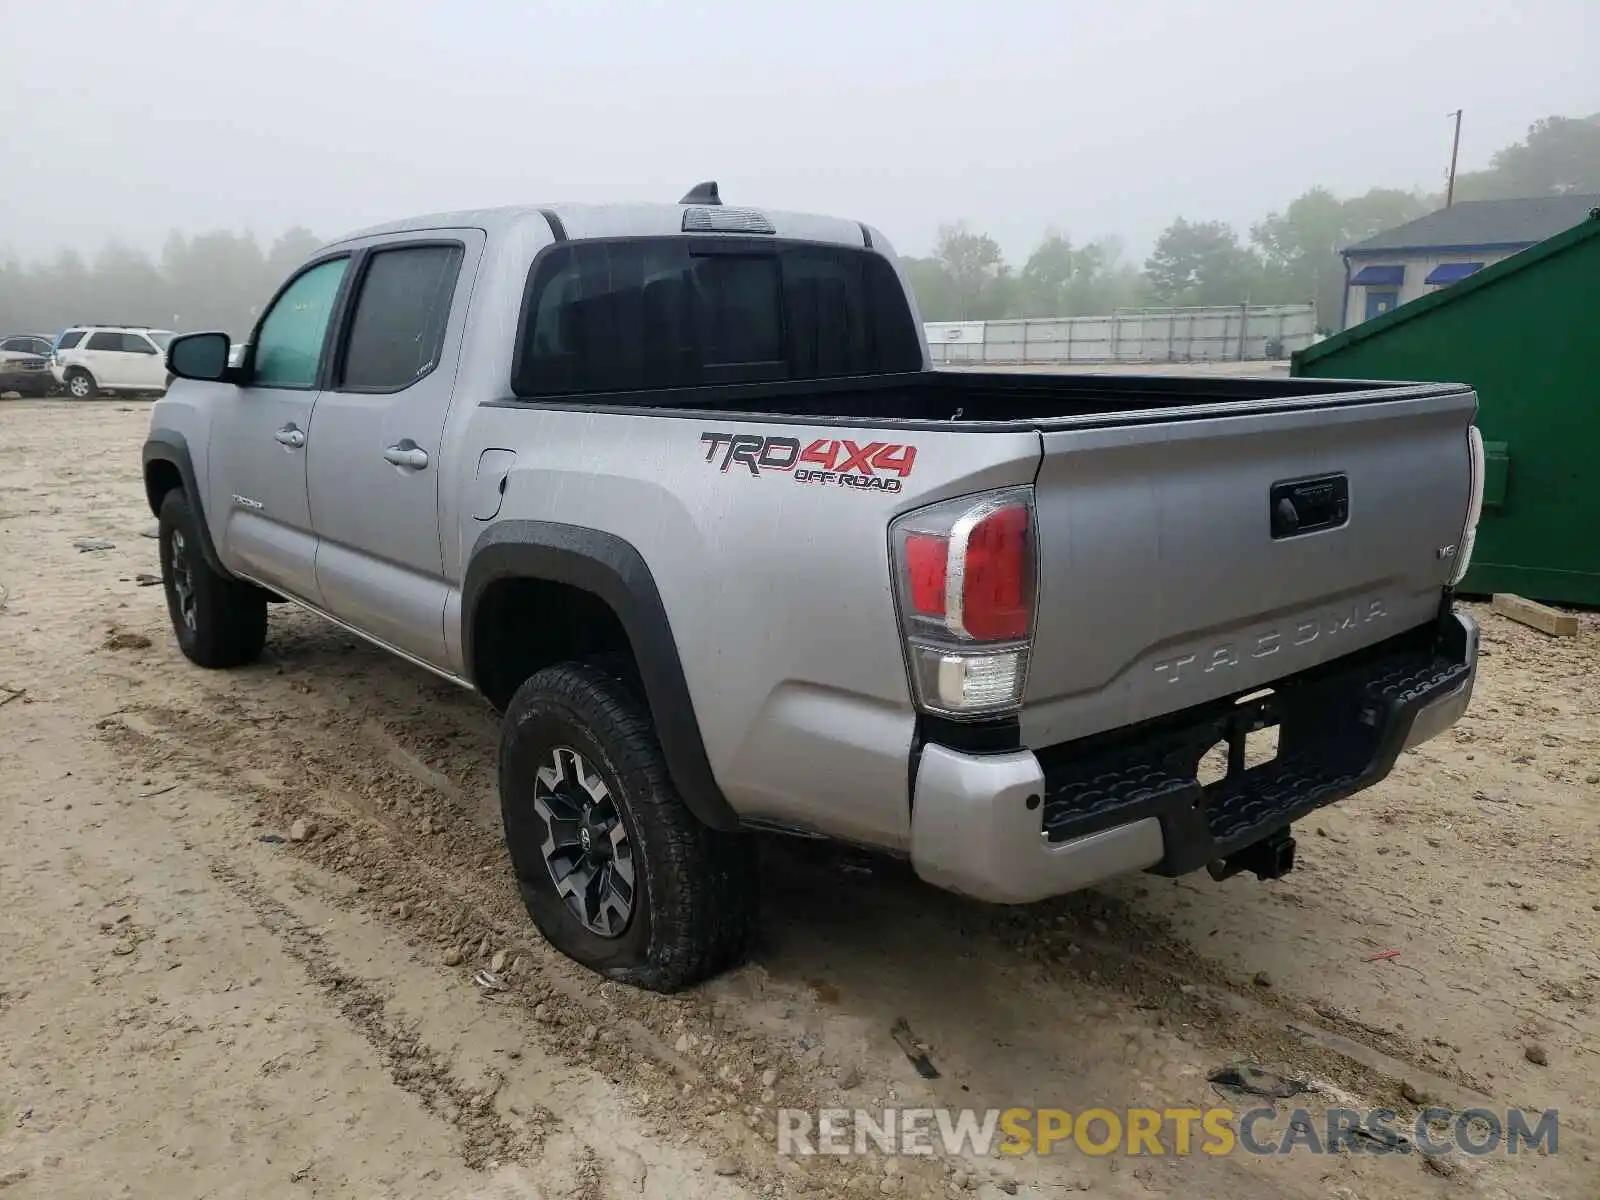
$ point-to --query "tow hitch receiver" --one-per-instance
(1270, 858)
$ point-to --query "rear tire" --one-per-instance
(80, 384)
(219, 622)
(650, 896)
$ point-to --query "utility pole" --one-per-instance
(1455, 148)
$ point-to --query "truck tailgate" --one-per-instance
(1192, 556)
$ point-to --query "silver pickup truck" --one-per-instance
(675, 489)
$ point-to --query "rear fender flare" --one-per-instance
(611, 569)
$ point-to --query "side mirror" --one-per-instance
(202, 356)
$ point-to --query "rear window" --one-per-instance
(69, 340)
(629, 315)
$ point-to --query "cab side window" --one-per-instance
(104, 340)
(288, 349)
(397, 330)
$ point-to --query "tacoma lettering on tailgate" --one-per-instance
(840, 462)
(1268, 642)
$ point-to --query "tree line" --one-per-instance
(220, 280)
(1287, 257)
(215, 280)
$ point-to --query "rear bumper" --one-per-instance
(26, 382)
(1020, 826)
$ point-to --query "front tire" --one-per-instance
(219, 622)
(613, 868)
(80, 385)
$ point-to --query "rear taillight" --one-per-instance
(966, 583)
(1469, 531)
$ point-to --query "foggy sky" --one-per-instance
(128, 120)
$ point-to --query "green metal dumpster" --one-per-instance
(1525, 333)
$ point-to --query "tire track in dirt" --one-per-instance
(487, 1139)
(630, 1037)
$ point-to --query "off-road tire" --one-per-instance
(229, 623)
(696, 896)
(79, 384)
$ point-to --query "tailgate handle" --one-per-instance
(1301, 506)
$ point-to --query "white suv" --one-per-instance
(111, 358)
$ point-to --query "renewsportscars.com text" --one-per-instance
(1163, 1131)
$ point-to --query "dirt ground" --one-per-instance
(194, 1004)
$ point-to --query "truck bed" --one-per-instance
(1002, 400)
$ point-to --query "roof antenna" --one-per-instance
(702, 193)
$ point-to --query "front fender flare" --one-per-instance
(171, 447)
(611, 569)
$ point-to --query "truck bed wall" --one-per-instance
(974, 399)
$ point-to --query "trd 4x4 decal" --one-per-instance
(869, 466)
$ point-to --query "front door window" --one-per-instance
(288, 350)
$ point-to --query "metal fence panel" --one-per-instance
(1223, 333)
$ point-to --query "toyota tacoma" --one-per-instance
(675, 489)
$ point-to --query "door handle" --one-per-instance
(407, 454)
(290, 436)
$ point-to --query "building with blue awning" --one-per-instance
(1447, 246)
